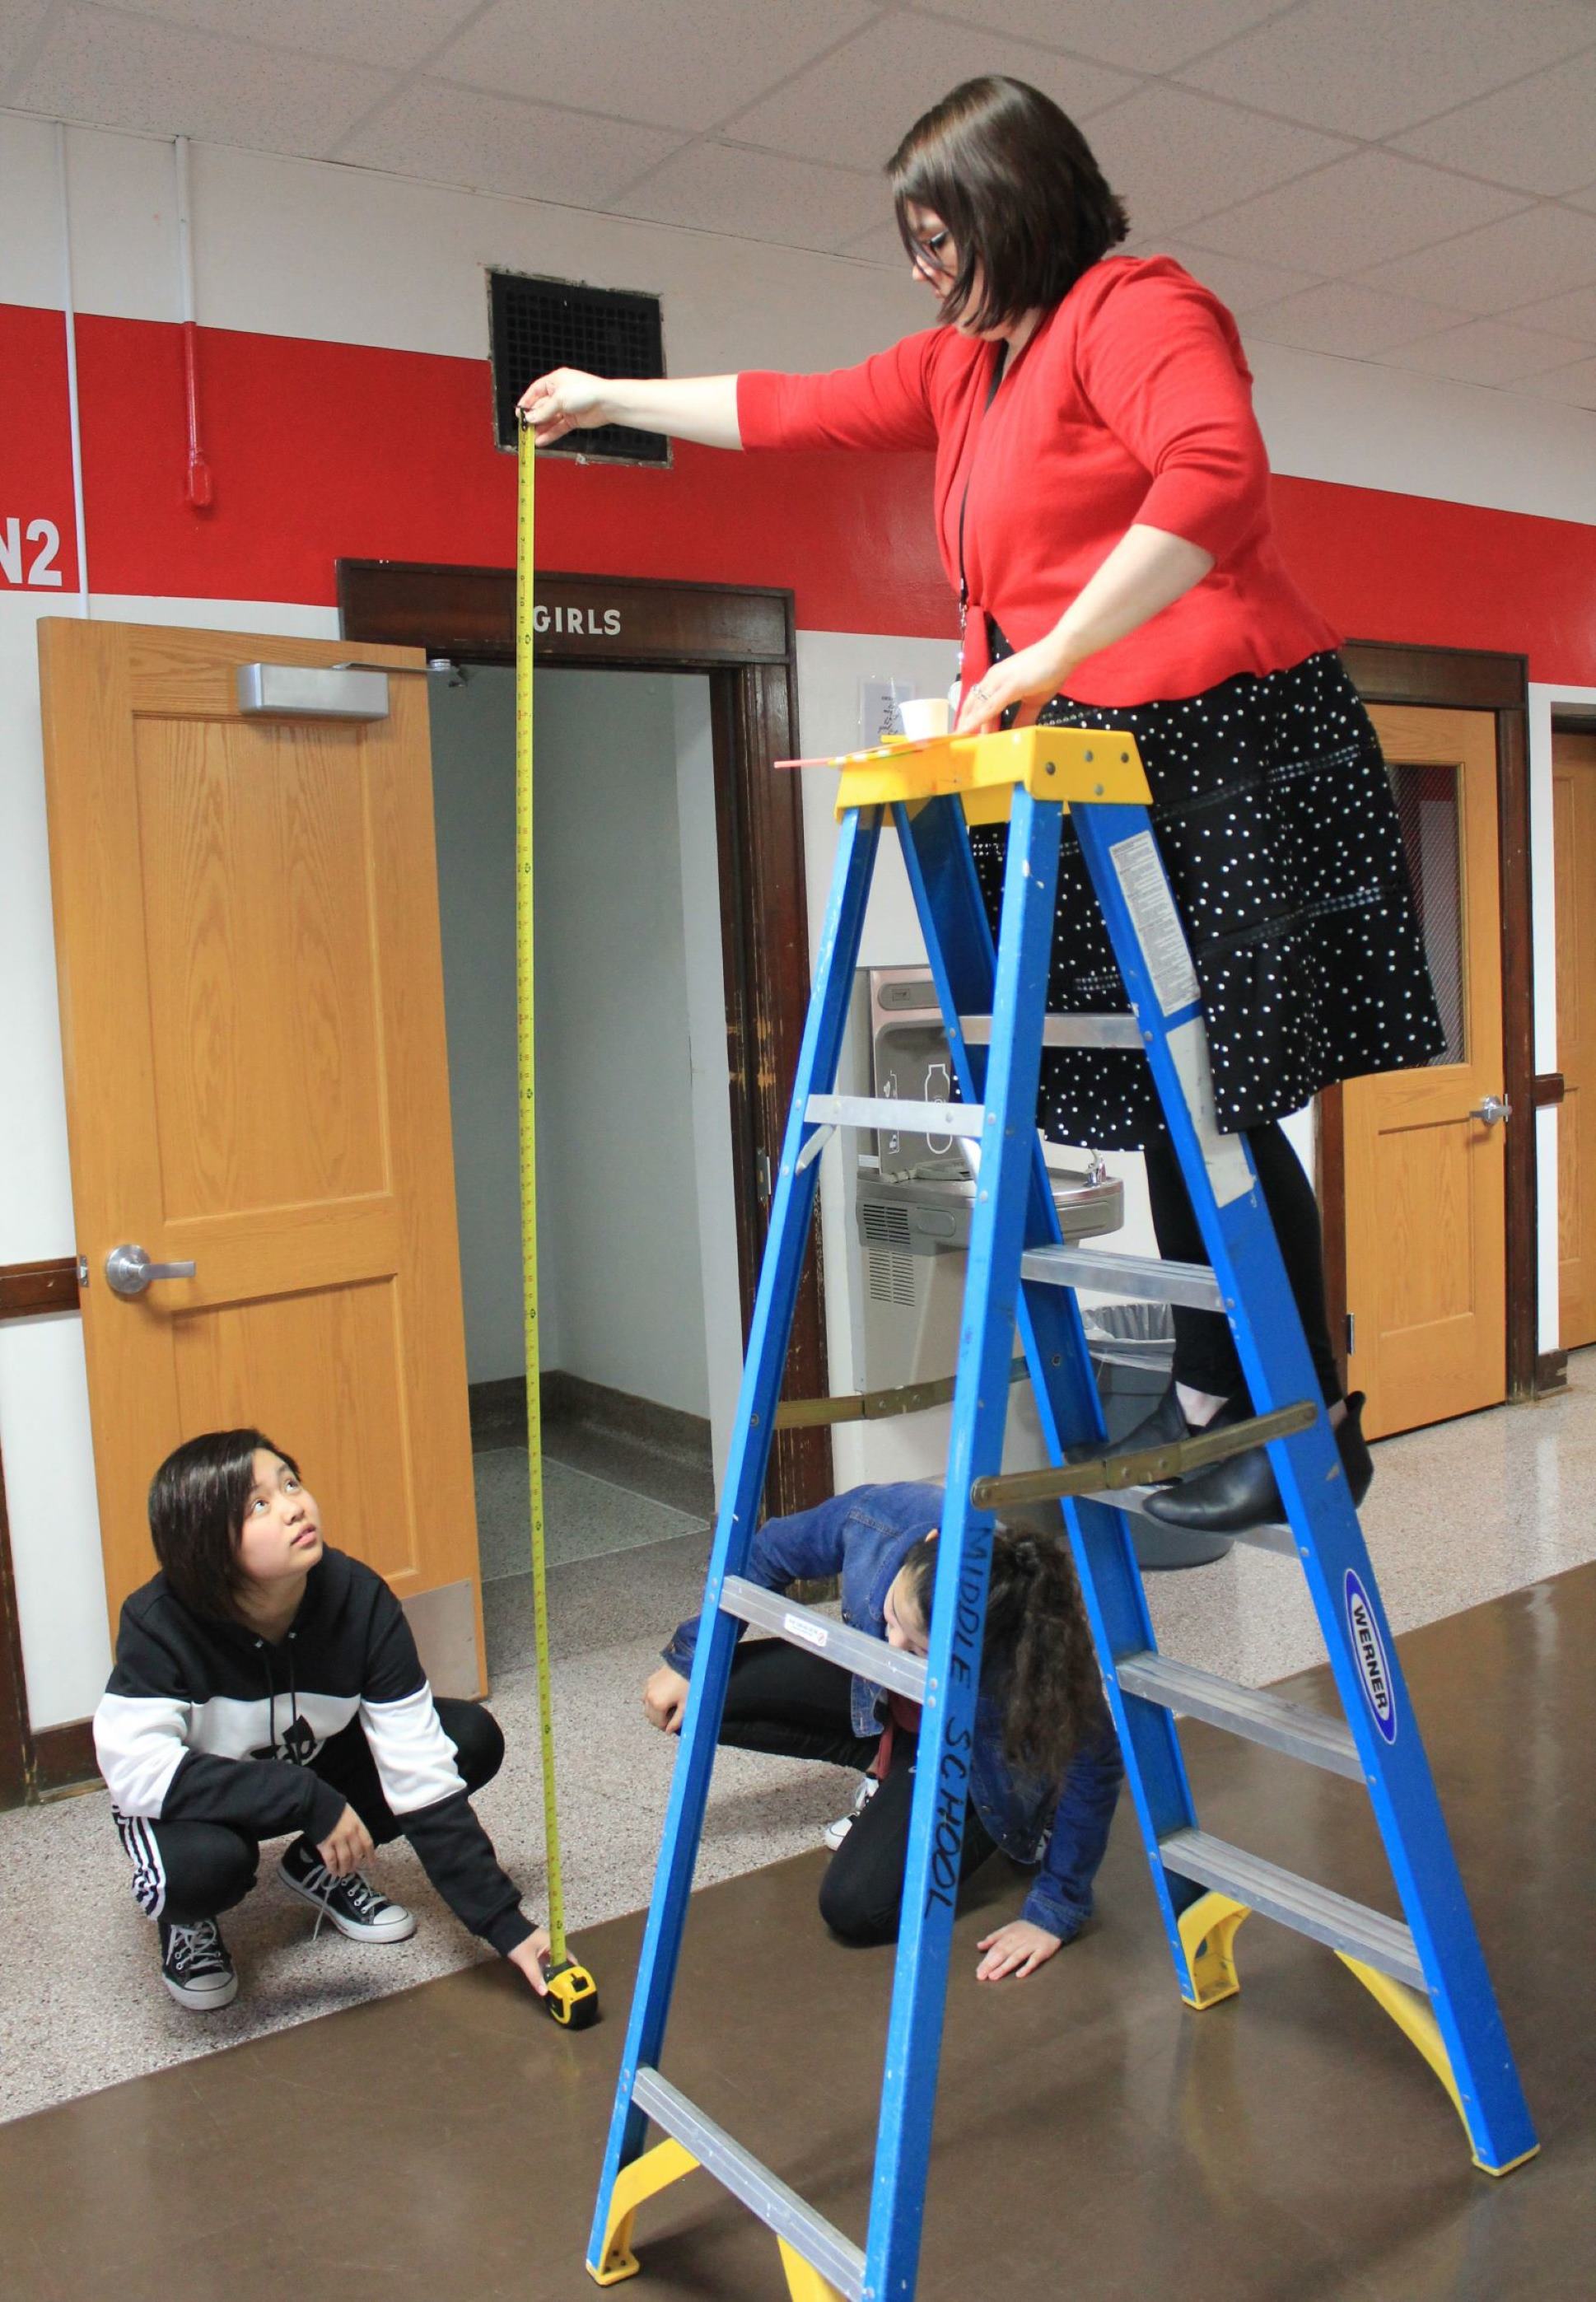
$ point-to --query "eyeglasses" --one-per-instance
(927, 262)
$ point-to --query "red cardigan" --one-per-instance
(1132, 401)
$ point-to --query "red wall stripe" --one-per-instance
(326, 451)
(36, 444)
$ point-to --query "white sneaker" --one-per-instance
(836, 1832)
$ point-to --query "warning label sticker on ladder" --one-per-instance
(1157, 922)
(1223, 1155)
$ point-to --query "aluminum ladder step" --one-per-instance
(1245, 1710)
(1065, 1031)
(1143, 1276)
(1278, 1538)
(895, 1114)
(823, 1634)
(1296, 1901)
(781, 2209)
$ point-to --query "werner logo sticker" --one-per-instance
(1369, 1649)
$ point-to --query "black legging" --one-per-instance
(186, 1871)
(1204, 1354)
(798, 1706)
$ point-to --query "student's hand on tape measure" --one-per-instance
(564, 401)
(665, 1699)
(531, 1957)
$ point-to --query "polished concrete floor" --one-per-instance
(1094, 2138)
(1465, 1512)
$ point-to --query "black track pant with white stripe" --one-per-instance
(189, 1870)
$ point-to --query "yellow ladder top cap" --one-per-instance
(1079, 766)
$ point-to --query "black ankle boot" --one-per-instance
(1162, 1428)
(1242, 1492)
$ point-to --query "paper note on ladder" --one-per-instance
(1223, 1155)
(1156, 921)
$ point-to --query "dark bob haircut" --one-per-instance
(197, 1503)
(1014, 179)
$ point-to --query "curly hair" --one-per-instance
(1037, 1660)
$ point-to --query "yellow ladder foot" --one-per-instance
(655, 2171)
(804, 2281)
(1208, 1937)
(1412, 2015)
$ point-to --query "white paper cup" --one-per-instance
(923, 716)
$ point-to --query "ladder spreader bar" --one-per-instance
(823, 1634)
(836, 2258)
(1296, 1901)
(901, 1117)
(1065, 1031)
(1247, 1710)
(1143, 1276)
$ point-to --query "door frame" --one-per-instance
(1468, 679)
(742, 637)
(34, 1763)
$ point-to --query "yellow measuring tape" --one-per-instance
(573, 1997)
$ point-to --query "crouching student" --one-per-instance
(265, 1684)
(1046, 1768)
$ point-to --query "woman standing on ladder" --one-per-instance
(1103, 511)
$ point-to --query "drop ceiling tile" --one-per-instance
(452, 135)
(1129, 32)
(328, 27)
(1582, 199)
(856, 105)
(758, 196)
(1573, 315)
(1522, 259)
(20, 23)
(1371, 67)
(1538, 136)
(1576, 383)
(883, 244)
(1173, 156)
(1339, 316)
(1486, 351)
(1353, 209)
(127, 71)
(1237, 282)
(682, 63)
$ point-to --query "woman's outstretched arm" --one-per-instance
(699, 408)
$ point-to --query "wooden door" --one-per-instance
(252, 1001)
(1573, 819)
(1426, 1173)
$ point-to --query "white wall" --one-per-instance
(1545, 699)
(474, 809)
(618, 1253)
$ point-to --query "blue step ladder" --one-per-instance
(1428, 1973)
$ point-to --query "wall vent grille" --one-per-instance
(891, 1277)
(539, 324)
(885, 1225)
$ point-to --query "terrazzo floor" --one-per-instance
(1459, 1514)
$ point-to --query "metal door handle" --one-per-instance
(1493, 1110)
(128, 1271)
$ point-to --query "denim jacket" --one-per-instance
(864, 1537)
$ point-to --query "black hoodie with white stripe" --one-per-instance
(204, 1721)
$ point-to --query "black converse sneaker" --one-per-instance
(195, 1965)
(355, 1906)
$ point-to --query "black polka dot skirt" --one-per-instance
(1277, 825)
